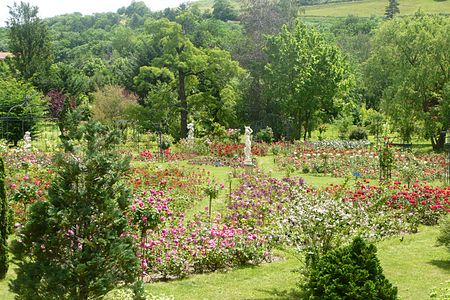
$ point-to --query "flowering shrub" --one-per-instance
(170, 246)
(342, 160)
(233, 150)
(24, 192)
(234, 162)
(166, 154)
(317, 221)
(420, 203)
(182, 185)
(260, 201)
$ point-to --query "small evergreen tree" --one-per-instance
(3, 224)
(353, 272)
(391, 9)
(75, 245)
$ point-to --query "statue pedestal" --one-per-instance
(248, 167)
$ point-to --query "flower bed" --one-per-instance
(172, 247)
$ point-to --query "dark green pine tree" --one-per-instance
(75, 245)
(3, 224)
(391, 9)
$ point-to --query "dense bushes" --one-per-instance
(353, 272)
(358, 134)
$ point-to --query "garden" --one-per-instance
(225, 150)
(192, 217)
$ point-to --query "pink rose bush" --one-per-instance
(171, 246)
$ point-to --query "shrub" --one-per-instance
(353, 272)
(75, 246)
(114, 106)
(265, 135)
(358, 134)
(444, 235)
(22, 105)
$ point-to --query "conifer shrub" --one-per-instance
(76, 244)
(352, 272)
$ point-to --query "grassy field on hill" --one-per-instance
(362, 8)
(367, 8)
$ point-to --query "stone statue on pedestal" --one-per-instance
(248, 146)
(191, 130)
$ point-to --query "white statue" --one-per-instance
(191, 129)
(27, 141)
(248, 146)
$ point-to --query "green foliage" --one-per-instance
(75, 245)
(408, 69)
(114, 106)
(353, 272)
(4, 263)
(264, 135)
(29, 41)
(223, 10)
(307, 75)
(358, 134)
(444, 235)
(21, 107)
(205, 81)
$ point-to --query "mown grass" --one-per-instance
(415, 265)
(276, 280)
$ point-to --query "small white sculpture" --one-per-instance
(27, 141)
(191, 130)
(248, 146)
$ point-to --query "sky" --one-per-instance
(50, 8)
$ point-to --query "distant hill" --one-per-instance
(362, 8)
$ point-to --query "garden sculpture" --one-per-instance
(248, 146)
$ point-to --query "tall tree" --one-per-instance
(391, 9)
(259, 19)
(197, 73)
(29, 41)
(409, 65)
(306, 76)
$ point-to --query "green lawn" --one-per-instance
(268, 281)
(415, 265)
(367, 8)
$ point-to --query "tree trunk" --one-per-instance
(438, 144)
(183, 102)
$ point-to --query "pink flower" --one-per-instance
(25, 178)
